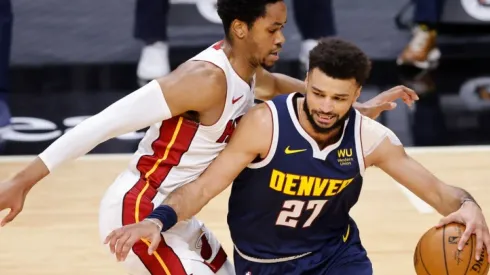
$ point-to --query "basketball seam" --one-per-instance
(422, 259)
(471, 256)
(444, 247)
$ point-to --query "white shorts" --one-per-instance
(188, 248)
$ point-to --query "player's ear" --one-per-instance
(239, 28)
(357, 93)
(306, 80)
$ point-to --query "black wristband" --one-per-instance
(166, 215)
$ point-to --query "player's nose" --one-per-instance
(327, 105)
(279, 39)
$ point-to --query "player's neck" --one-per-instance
(240, 62)
(322, 139)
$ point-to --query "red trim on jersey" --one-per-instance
(218, 261)
(175, 138)
(218, 45)
(164, 261)
(186, 132)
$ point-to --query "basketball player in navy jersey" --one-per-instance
(297, 162)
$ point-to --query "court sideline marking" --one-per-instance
(418, 203)
(410, 150)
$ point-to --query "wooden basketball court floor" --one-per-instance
(57, 232)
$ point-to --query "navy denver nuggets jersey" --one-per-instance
(297, 199)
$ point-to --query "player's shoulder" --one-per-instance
(204, 70)
(255, 129)
(372, 127)
(373, 133)
(259, 115)
(198, 78)
(194, 86)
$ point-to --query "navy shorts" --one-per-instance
(349, 259)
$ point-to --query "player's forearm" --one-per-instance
(187, 200)
(360, 107)
(286, 84)
(133, 112)
(32, 174)
(452, 199)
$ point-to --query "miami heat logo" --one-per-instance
(230, 128)
(203, 245)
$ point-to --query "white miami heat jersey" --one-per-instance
(176, 151)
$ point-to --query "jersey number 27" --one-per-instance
(293, 209)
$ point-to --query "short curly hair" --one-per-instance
(247, 11)
(340, 59)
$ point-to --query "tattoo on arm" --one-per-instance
(465, 196)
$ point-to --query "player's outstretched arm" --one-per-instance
(249, 141)
(196, 86)
(270, 85)
(456, 204)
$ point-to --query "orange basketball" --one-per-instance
(437, 253)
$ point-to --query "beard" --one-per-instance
(324, 130)
(267, 66)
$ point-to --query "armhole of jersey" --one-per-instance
(359, 149)
(275, 137)
(205, 57)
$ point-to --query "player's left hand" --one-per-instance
(385, 101)
(472, 217)
(122, 239)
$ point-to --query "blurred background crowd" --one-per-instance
(61, 62)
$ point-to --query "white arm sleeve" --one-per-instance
(373, 133)
(133, 112)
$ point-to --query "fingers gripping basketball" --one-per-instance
(437, 253)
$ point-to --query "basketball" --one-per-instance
(437, 253)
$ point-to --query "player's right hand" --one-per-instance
(471, 215)
(121, 240)
(12, 196)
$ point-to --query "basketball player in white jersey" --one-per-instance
(192, 113)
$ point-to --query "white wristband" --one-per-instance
(160, 226)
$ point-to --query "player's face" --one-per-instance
(265, 37)
(328, 100)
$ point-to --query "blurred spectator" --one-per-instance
(422, 51)
(151, 21)
(6, 19)
(315, 19)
